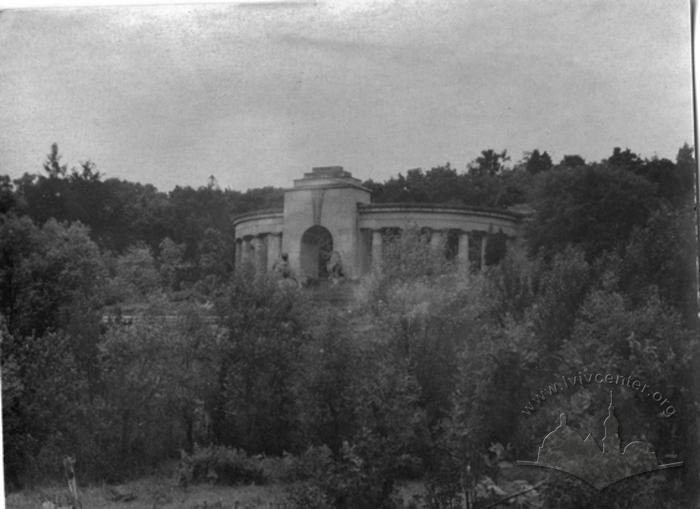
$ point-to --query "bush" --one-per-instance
(348, 481)
(226, 466)
(308, 495)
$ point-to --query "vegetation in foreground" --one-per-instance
(123, 345)
(149, 493)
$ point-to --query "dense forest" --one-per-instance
(424, 375)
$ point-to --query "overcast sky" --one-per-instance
(256, 94)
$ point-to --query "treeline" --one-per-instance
(490, 181)
(424, 376)
(121, 214)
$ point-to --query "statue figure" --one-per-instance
(335, 267)
(282, 268)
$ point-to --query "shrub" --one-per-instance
(226, 466)
(348, 481)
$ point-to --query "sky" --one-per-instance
(256, 94)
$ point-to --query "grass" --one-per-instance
(160, 493)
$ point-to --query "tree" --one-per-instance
(53, 166)
(668, 178)
(687, 170)
(44, 272)
(19, 238)
(89, 173)
(441, 184)
(595, 207)
(157, 374)
(253, 406)
(685, 159)
(560, 286)
(134, 370)
(328, 388)
(214, 254)
(646, 339)
(659, 257)
(425, 311)
(625, 160)
(538, 163)
(572, 161)
(43, 405)
(489, 163)
(172, 266)
(7, 196)
(136, 276)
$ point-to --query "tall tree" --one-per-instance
(572, 161)
(489, 163)
(537, 163)
(53, 166)
(595, 207)
(44, 272)
(687, 167)
(7, 195)
(625, 159)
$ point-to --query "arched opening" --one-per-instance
(316, 247)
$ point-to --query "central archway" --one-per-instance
(316, 247)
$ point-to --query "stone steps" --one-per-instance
(341, 294)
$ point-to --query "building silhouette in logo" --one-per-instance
(564, 449)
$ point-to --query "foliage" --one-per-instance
(253, 407)
(156, 372)
(44, 399)
(658, 257)
(489, 163)
(120, 214)
(348, 481)
(645, 491)
(426, 311)
(44, 272)
(134, 275)
(173, 268)
(328, 388)
(538, 163)
(422, 376)
(226, 466)
(572, 161)
(486, 183)
(595, 207)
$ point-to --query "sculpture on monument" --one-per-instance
(284, 271)
(335, 268)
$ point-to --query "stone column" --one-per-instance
(274, 249)
(245, 252)
(436, 237)
(510, 244)
(483, 251)
(463, 250)
(237, 256)
(255, 252)
(376, 249)
(259, 254)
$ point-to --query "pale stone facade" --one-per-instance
(330, 211)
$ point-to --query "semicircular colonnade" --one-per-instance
(329, 211)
